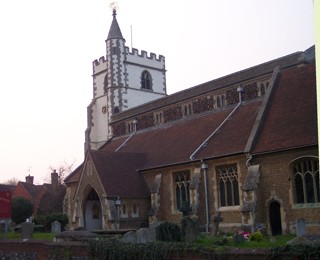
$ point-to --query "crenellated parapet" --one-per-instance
(99, 65)
(144, 58)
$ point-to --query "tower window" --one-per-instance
(146, 80)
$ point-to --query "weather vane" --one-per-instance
(114, 5)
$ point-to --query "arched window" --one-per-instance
(146, 80)
(306, 185)
(182, 180)
(228, 185)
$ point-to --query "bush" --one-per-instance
(168, 232)
(46, 220)
(256, 236)
(21, 209)
(113, 249)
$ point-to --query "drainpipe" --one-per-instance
(135, 130)
(239, 89)
(204, 167)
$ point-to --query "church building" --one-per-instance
(243, 147)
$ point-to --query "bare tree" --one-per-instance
(63, 169)
(12, 181)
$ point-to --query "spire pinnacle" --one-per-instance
(114, 31)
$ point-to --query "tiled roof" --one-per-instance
(119, 174)
(174, 143)
(32, 189)
(75, 175)
(6, 187)
(291, 120)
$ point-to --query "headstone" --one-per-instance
(190, 229)
(55, 227)
(27, 231)
(237, 238)
(216, 222)
(301, 227)
(143, 235)
(130, 237)
(152, 229)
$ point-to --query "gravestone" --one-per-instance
(152, 229)
(55, 227)
(27, 231)
(237, 238)
(143, 235)
(216, 222)
(301, 228)
(130, 237)
(190, 229)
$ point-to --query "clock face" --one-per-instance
(104, 109)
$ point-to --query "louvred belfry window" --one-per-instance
(146, 80)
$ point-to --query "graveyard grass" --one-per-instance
(36, 236)
(211, 241)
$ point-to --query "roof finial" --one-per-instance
(114, 6)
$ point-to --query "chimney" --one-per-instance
(29, 179)
(54, 179)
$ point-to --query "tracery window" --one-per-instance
(228, 185)
(306, 181)
(158, 117)
(182, 188)
(187, 109)
(146, 80)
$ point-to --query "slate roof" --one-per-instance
(114, 32)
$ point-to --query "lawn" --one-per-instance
(267, 242)
(37, 236)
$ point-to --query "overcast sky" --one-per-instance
(47, 48)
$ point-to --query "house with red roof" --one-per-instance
(46, 198)
(243, 147)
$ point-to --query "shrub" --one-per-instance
(113, 249)
(46, 220)
(256, 236)
(21, 209)
(168, 232)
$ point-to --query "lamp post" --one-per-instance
(117, 203)
(204, 167)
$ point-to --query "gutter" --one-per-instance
(239, 89)
(135, 130)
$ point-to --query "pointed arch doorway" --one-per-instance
(92, 211)
(275, 218)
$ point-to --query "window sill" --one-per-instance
(307, 205)
(229, 208)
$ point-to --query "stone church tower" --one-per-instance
(121, 80)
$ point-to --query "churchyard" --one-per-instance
(159, 241)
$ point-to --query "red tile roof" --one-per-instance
(291, 120)
(75, 175)
(119, 173)
(174, 143)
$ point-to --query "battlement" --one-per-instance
(144, 54)
(99, 65)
